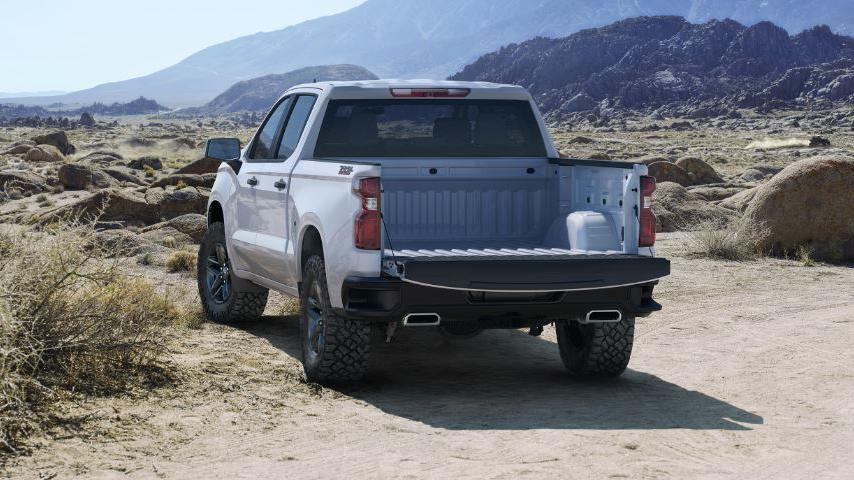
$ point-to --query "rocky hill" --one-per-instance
(649, 62)
(402, 38)
(260, 93)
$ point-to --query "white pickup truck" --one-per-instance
(413, 203)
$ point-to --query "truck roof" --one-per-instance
(374, 89)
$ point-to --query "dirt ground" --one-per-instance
(748, 373)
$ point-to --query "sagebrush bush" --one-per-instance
(70, 321)
(729, 242)
(181, 261)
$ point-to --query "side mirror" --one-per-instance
(223, 149)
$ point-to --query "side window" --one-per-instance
(264, 147)
(296, 124)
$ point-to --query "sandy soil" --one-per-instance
(748, 372)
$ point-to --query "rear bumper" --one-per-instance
(383, 299)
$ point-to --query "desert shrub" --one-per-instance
(729, 242)
(181, 184)
(149, 171)
(70, 323)
(181, 261)
(804, 254)
(169, 242)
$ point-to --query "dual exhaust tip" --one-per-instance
(434, 319)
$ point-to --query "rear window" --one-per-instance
(430, 128)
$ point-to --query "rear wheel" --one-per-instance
(334, 349)
(225, 297)
(596, 349)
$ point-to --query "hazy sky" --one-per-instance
(75, 44)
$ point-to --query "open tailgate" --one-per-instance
(531, 272)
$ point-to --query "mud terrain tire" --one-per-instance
(242, 300)
(597, 349)
(335, 349)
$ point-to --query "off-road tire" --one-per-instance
(246, 301)
(343, 355)
(596, 349)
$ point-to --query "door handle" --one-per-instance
(252, 181)
(281, 184)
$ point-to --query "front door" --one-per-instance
(274, 237)
(252, 190)
(274, 251)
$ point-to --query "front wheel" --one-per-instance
(596, 349)
(225, 297)
(334, 349)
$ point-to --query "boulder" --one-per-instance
(841, 87)
(108, 205)
(104, 159)
(678, 209)
(716, 193)
(207, 180)
(44, 153)
(810, 203)
(183, 201)
(17, 150)
(75, 176)
(25, 181)
(670, 172)
(701, 172)
(193, 225)
(58, 139)
(739, 201)
(819, 142)
(142, 162)
(205, 165)
(87, 120)
(124, 175)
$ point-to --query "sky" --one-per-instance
(70, 45)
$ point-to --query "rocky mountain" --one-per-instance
(403, 38)
(655, 61)
(260, 93)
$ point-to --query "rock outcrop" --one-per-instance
(648, 62)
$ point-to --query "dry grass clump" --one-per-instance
(70, 323)
(729, 242)
(181, 261)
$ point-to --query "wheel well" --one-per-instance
(215, 213)
(312, 244)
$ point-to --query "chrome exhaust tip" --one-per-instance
(603, 316)
(422, 320)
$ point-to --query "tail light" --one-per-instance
(430, 92)
(647, 218)
(369, 223)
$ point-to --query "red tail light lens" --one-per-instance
(369, 224)
(430, 92)
(647, 218)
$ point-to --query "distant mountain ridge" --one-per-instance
(408, 38)
(655, 61)
(140, 106)
(259, 94)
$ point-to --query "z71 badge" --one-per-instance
(345, 170)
